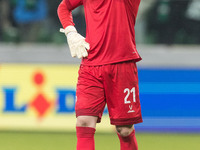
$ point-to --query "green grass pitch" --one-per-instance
(104, 141)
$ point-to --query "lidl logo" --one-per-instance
(43, 90)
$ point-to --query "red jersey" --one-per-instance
(109, 29)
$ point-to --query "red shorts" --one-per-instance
(115, 85)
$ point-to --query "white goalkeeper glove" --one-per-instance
(77, 44)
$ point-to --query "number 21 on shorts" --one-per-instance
(128, 93)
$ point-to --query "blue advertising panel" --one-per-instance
(170, 99)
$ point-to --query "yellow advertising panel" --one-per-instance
(39, 97)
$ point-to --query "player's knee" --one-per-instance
(82, 123)
(125, 130)
(86, 121)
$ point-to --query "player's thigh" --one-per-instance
(90, 93)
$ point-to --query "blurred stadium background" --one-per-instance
(38, 77)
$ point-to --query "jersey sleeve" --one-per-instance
(72, 4)
(65, 11)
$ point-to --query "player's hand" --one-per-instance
(77, 44)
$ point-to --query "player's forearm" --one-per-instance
(77, 44)
(65, 15)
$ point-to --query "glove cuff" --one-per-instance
(68, 29)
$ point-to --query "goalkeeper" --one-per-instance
(108, 72)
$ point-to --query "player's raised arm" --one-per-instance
(77, 44)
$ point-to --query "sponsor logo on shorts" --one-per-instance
(131, 109)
